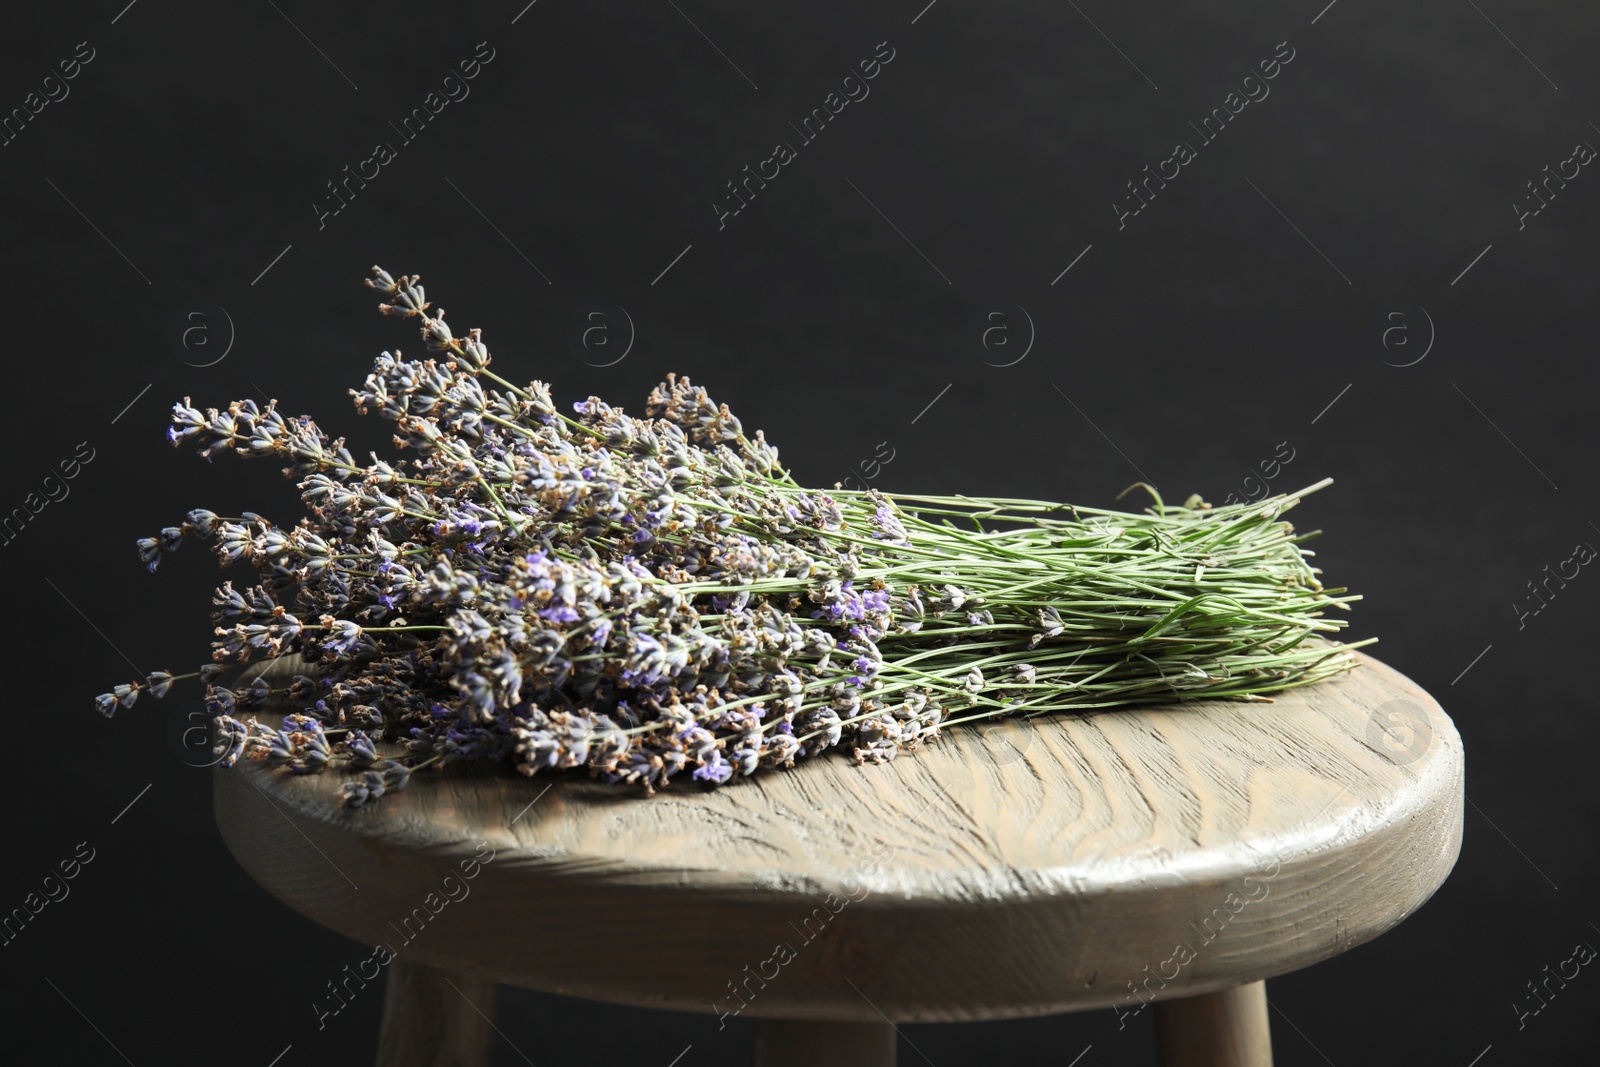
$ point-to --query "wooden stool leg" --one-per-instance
(794, 1043)
(434, 1019)
(1226, 1029)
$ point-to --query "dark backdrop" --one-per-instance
(1342, 272)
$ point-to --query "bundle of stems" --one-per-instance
(644, 597)
(1176, 603)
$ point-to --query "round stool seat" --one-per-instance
(1065, 863)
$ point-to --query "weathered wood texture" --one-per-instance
(1226, 1029)
(1070, 863)
(433, 1019)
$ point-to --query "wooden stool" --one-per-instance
(1176, 855)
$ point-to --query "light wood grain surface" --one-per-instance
(1029, 868)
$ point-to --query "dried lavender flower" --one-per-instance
(652, 597)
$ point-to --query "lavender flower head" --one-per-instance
(652, 598)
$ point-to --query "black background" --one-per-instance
(1197, 338)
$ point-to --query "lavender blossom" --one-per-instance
(648, 598)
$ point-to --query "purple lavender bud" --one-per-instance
(474, 354)
(344, 637)
(360, 749)
(187, 422)
(316, 752)
(232, 542)
(220, 701)
(281, 748)
(149, 553)
(715, 770)
(435, 334)
(256, 695)
(231, 738)
(355, 793)
(1050, 620)
(203, 522)
(381, 281)
(746, 760)
(396, 775)
(159, 683)
(228, 605)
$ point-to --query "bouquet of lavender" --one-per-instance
(645, 597)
